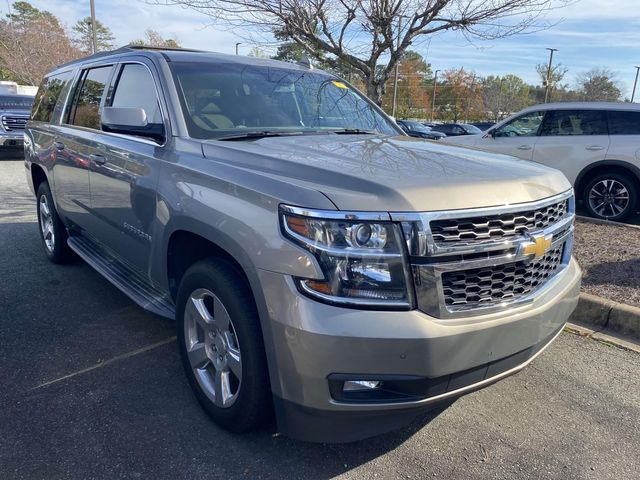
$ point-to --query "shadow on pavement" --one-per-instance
(134, 417)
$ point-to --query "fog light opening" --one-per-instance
(361, 385)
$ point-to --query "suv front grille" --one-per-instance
(487, 227)
(14, 122)
(481, 287)
(478, 261)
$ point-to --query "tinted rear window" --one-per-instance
(574, 122)
(86, 111)
(624, 123)
(49, 93)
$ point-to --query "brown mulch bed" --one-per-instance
(610, 258)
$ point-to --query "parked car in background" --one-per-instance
(595, 144)
(456, 129)
(320, 264)
(418, 130)
(14, 114)
(484, 126)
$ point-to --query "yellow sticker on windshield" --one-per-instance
(340, 84)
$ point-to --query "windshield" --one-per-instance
(471, 129)
(219, 100)
(20, 102)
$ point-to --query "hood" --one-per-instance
(471, 140)
(376, 173)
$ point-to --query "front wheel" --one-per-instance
(610, 196)
(221, 345)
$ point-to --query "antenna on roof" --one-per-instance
(306, 62)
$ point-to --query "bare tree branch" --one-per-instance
(375, 29)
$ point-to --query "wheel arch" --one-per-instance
(38, 176)
(604, 166)
(187, 241)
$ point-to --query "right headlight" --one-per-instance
(362, 258)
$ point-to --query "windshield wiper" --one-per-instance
(257, 134)
(354, 131)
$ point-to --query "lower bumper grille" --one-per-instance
(479, 287)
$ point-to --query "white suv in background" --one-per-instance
(596, 145)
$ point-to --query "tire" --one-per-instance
(221, 346)
(53, 233)
(610, 196)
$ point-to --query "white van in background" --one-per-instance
(596, 145)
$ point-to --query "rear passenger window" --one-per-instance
(135, 88)
(574, 122)
(49, 95)
(86, 111)
(624, 123)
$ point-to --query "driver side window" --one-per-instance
(526, 125)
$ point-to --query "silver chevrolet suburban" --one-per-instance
(320, 264)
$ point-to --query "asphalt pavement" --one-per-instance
(91, 387)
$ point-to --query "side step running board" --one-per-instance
(127, 280)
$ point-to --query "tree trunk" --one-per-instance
(375, 90)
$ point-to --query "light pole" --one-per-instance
(433, 97)
(237, 45)
(546, 88)
(471, 92)
(634, 84)
(94, 41)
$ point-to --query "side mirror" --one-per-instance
(131, 121)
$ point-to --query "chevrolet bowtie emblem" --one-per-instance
(538, 246)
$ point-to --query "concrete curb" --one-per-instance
(603, 314)
(598, 221)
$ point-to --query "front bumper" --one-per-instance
(310, 342)
(11, 140)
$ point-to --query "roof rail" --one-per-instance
(149, 47)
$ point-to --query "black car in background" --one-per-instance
(416, 129)
(456, 129)
(484, 126)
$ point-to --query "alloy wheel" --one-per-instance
(46, 223)
(212, 347)
(609, 198)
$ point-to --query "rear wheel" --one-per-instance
(221, 345)
(52, 231)
(610, 196)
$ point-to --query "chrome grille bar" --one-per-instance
(513, 269)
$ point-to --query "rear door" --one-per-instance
(572, 139)
(123, 184)
(624, 134)
(516, 137)
(75, 144)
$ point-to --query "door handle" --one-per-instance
(59, 145)
(595, 147)
(524, 147)
(98, 159)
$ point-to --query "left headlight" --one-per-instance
(362, 258)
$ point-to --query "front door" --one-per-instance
(516, 137)
(123, 184)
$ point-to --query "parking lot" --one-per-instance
(92, 388)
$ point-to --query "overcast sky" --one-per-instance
(588, 33)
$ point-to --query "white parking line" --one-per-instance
(107, 362)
